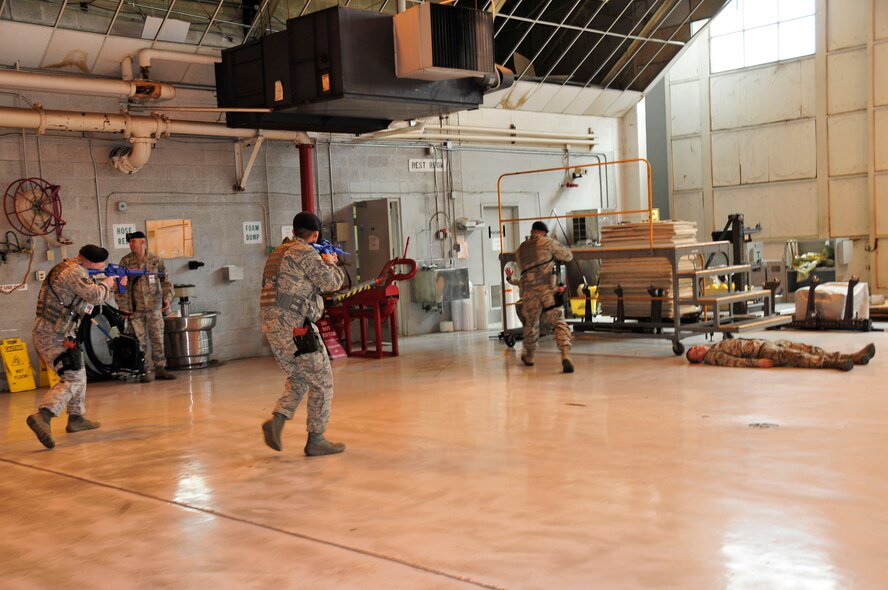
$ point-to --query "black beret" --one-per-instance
(540, 226)
(306, 220)
(134, 235)
(94, 253)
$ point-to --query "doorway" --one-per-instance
(493, 275)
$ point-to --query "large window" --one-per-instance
(752, 32)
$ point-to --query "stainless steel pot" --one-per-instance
(189, 340)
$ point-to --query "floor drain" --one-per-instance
(764, 425)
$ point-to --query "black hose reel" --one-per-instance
(109, 356)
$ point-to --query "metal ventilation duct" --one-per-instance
(334, 71)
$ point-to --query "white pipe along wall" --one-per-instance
(141, 132)
(137, 89)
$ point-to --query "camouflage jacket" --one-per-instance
(736, 352)
(536, 258)
(145, 293)
(65, 295)
(295, 275)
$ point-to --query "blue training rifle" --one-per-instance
(326, 247)
(117, 271)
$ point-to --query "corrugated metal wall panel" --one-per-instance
(685, 99)
(785, 210)
(687, 164)
(848, 207)
(847, 144)
(846, 24)
(847, 81)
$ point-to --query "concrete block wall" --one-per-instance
(192, 178)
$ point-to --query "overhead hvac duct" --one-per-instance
(335, 71)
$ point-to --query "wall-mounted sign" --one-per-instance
(252, 232)
(120, 231)
(425, 165)
(11, 288)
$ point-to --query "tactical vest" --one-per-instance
(63, 315)
(269, 296)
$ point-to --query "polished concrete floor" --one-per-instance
(465, 470)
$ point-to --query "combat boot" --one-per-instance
(39, 423)
(318, 445)
(79, 424)
(162, 373)
(527, 359)
(843, 364)
(272, 430)
(567, 366)
(863, 356)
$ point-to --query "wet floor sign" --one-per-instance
(48, 377)
(17, 365)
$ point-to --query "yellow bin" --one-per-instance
(17, 365)
(578, 304)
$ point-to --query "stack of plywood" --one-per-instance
(636, 275)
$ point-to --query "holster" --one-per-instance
(70, 359)
(306, 339)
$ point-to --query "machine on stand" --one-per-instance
(187, 337)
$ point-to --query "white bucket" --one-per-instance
(480, 303)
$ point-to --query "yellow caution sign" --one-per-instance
(17, 365)
(48, 377)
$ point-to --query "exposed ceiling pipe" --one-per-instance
(141, 132)
(514, 132)
(145, 56)
(137, 89)
(482, 135)
(486, 139)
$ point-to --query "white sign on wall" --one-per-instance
(120, 231)
(11, 288)
(287, 232)
(252, 232)
(425, 165)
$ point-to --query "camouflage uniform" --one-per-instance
(292, 283)
(744, 352)
(144, 298)
(536, 257)
(64, 297)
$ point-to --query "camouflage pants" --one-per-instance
(307, 373)
(70, 391)
(534, 315)
(148, 326)
(785, 353)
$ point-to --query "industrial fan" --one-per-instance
(33, 208)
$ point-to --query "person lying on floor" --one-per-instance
(747, 352)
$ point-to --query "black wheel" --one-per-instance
(509, 340)
(678, 348)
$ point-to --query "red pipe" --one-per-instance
(306, 177)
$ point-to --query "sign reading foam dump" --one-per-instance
(252, 232)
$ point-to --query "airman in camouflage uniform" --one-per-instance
(147, 298)
(67, 293)
(295, 275)
(744, 352)
(536, 258)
